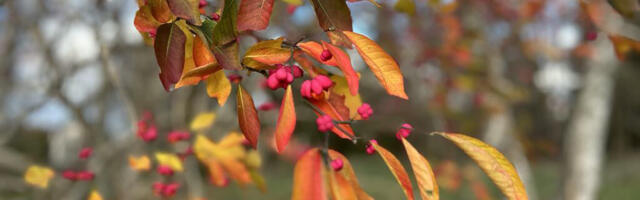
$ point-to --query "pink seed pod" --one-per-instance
(85, 153)
(170, 189)
(297, 71)
(272, 82)
(370, 148)
(365, 111)
(215, 17)
(325, 123)
(324, 81)
(337, 164)
(316, 88)
(69, 175)
(164, 170)
(325, 55)
(305, 89)
(85, 175)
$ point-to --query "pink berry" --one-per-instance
(176, 136)
(281, 74)
(324, 81)
(202, 3)
(591, 35)
(325, 55)
(325, 123)
(158, 187)
(170, 189)
(272, 82)
(291, 9)
(85, 153)
(297, 71)
(316, 88)
(305, 89)
(164, 170)
(289, 78)
(404, 131)
(370, 148)
(337, 164)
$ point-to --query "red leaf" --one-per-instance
(186, 9)
(248, 117)
(286, 121)
(254, 14)
(144, 20)
(308, 178)
(344, 63)
(169, 48)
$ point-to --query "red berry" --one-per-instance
(158, 187)
(215, 16)
(316, 88)
(370, 148)
(69, 175)
(591, 35)
(281, 74)
(267, 106)
(164, 170)
(85, 153)
(202, 3)
(337, 164)
(325, 55)
(272, 82)
(176, 136)
(170, 189)
(85, 175)
(291, 9)
(404, 131)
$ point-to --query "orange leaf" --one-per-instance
(492, 162)
(307, 65)
(140, 163)
(308, 181)
(218, 86)
(201, 53)
(189, 63)
(349, 174)
(344, 63)
(216, 173)
(623, 45)
(267, 53)
(341, 87)
(381, 64)
(396, 169)
(254, 14)
(237, 171)
(160, 10)
(286, 121)
(340, 187)
(335, 108)
(144, 20)
(248, 117)
(314, 50)
(423, 173)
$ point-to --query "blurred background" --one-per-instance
(541, 80)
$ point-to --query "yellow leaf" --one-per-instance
(189, 63)
(353, 102)
(141, 163)
(381, 64)
(267, 53)
(94, 195)
(38, 176)
(422, 172)
(405, 6)
(170, 160)
(230, 147)
(203, 121)
(286, 123)
(218, 86)
(253, 159)
(493, 163)
(396, 169)
(294, 2)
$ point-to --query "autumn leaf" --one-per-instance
(396, 169)
(144, 20)
(38, 176)
(374, 2)
(353, 102)
(349, 175)
(493, 163)
(254, 14)
(140, 163)
(624, 45)
(94, 195)
(340, 187)
(160, 10)
(381, 64)
(334, 107)
(186, 9)
(201, 54)
(237, 171)
(294, 2)
(202, 121)
(344, 63)
(332, 14)
(169, 48)
(218, 86)
(226, 30)
(286, 121)
(216, 173)
(308, 178)
(258, 180)
(248, 117)
(189, 63)
(265, 54)
(170, 160)
(422, 172)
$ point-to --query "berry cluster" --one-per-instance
(85, 153)
(314, 87)
(325, 123)
(404, 131)
(176, 136)
(282, 76)
(365, 111)
(146, 129)
(370, 148)
(164, 170)
(165, 190)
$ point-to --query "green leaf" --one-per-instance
(186, 9)
(169, 49)
(226, 30)
(332, 14)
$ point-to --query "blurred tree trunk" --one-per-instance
(587, 130)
